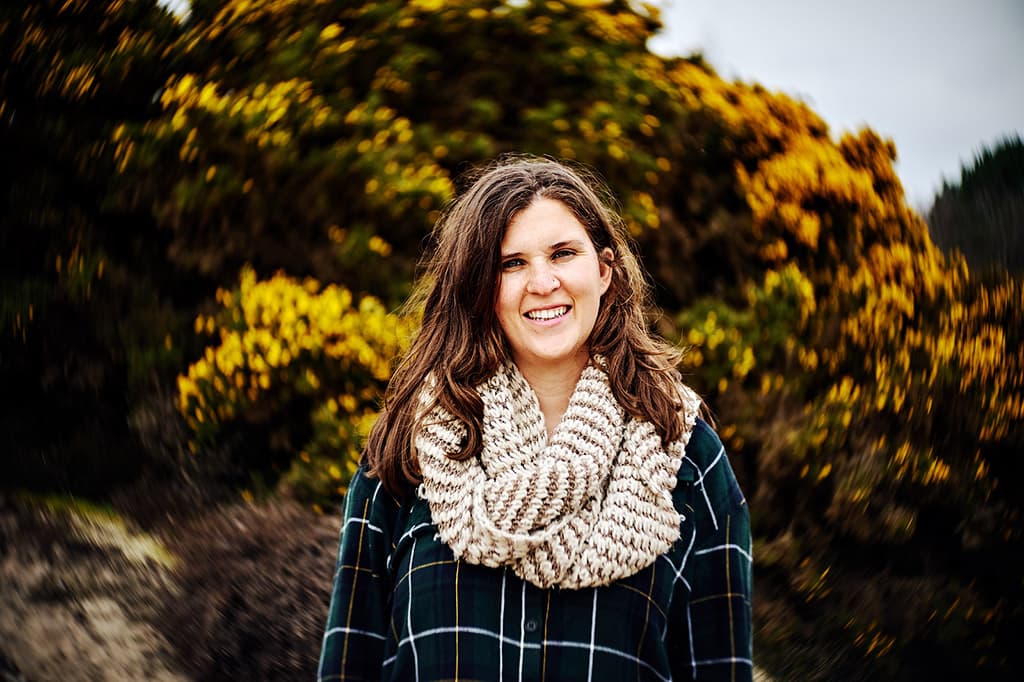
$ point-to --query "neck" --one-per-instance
(554, 387)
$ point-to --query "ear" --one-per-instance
(605, 260)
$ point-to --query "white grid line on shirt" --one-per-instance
(704, 490)
(746, 555)
(353, 631)
(406, 534)
(727, 659)
(593, 630)
(522, 632)
(689, 630)
(604, 650)
(462, 630)
(501, 628)
(408, 615)
(365, 522)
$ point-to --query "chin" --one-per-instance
(554, 357)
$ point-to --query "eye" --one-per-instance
(563, 253)
(511, 263)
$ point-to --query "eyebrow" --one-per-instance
(571, 243)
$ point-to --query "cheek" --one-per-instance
(506, 303)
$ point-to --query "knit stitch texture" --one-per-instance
(587, 507)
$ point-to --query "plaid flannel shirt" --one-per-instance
(403, 608)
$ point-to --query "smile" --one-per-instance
(548, 313)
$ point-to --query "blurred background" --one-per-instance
(211, 209)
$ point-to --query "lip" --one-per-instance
(553, 320)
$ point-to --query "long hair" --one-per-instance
(460, 342)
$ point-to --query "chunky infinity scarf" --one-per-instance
(588, 507)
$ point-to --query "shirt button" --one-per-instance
(530, 625)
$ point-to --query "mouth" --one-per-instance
(547, 313)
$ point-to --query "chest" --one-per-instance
(434, 591)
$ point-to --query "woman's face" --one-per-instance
(550, 286)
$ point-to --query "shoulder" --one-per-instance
(706, 466)
(362, 487)
(367, 499)
(704, 444)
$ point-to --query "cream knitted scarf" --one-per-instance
(589, 506)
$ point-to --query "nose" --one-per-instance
(542, 281)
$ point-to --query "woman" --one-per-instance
(539, 499)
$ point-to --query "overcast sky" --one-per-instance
(942, 78)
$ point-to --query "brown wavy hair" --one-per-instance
(460, 342)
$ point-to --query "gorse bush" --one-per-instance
(281, 342)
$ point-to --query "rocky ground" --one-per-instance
(240, 592)
(79, 594)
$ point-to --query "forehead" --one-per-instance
(542, 223)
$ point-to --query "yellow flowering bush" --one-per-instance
(751, 357)
(987, 332)
(279, 343)
(886, 395)
(778, 193)
(237, 151)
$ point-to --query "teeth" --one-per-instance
(549, 314)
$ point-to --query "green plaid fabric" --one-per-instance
(403, 608)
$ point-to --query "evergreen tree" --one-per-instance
(982, 215)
